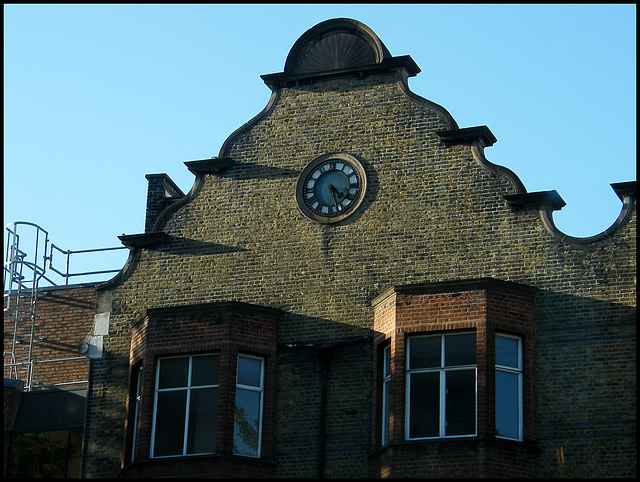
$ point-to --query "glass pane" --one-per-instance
(170, 417)
(385, 412)
(461, 402)
(205, 370)
(424, 352)
(387, 362)
(173, 372)
(507, 351)
(247, 423)
(507, 405)
(203, 413)
(460, 349)
(249, 371)
(424, 400)
(53, 454)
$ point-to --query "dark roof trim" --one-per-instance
(54, 409)
(468, 136)
(541, 200)
(144, 240)
(14, 383)
(625, 189)
(453, 286)
(209, 166)
(404, 63)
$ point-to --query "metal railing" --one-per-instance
(66, 275)
(23, 271)
(31, 365)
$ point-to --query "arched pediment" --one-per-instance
(335, 44)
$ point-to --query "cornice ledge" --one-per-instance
(541, 200)
(403, 63)
(209, 166)
(468, 136)
(144, 240)
(626, 191)
(447, 286)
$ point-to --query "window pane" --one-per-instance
(460, 349)
(461, 402)
(424, 405)
(48, 455)
(203, 411)
(507, 351)
(247, 422)
(249, 371)
(507, 405)
(386, 376)
(385, 412)
(205, 370)
(173, 372)
(170, 417)
(424, 352)
(387, 362)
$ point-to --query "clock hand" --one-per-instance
(340, 195)
(333, 194)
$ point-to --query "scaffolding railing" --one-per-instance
(23, 271)
(66, 274)
(31, 368)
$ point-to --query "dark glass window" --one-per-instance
(247, 432)
(186, 406)
(51, 454)
(508, 387)
(386, 385)
(441, 386)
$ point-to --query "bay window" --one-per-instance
(454, 369)
(202, 391)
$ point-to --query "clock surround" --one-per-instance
(331, 187)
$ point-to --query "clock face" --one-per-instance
(331, 187)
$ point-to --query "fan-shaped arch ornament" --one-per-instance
(333, 45)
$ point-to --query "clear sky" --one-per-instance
(97, 96)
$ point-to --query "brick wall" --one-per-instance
(64, 317)
(431, 213)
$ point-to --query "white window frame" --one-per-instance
(442, 370)
(260, 390)
(516, 371)
(188, 389)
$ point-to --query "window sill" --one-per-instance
(470, 441)
(189, 465)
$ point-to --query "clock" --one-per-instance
(331, 187)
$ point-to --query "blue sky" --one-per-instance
(97, 96)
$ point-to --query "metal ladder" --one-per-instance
(22, 274)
